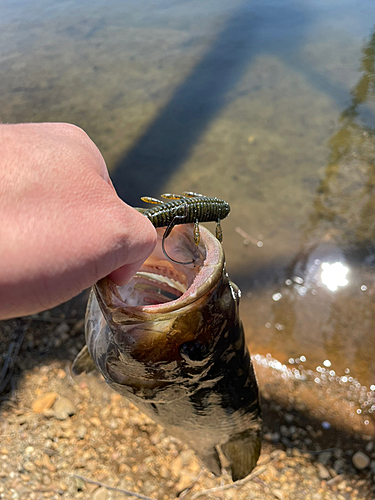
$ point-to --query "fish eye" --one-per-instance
(194, 352)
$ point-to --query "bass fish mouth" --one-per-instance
(162, 286)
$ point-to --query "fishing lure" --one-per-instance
(187, 208)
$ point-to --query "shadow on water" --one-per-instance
(169, 140)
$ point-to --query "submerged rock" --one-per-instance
(360, 460)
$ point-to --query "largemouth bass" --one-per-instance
(172, 342)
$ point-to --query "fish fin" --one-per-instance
(83, 362)
(212, 461)
(242, 451)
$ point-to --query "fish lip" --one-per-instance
(207, 277)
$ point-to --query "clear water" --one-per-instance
(267, 104)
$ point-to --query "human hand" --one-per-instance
(62, 225)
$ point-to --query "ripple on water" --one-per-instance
(337, 399)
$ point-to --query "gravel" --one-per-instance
(40, 454)
(58, 433)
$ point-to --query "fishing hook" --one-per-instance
(168, 232)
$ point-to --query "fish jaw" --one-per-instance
(183, 362)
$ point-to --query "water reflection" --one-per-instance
(345, 197)
(336, 254)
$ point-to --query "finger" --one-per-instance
(138, 247)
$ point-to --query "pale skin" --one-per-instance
(62, 225)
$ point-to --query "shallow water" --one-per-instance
(267, 104)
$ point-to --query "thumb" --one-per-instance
(143, 241)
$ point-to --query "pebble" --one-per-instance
(164, 472)
(185, 481)
(338, 465)
(337, 453)
(288, 417)
(105, 412)
(360, 460)
(46, 462)
(62, 328)
(323, 471)
(61, 374)
(43, 402)
(100, 494)
(275, 437)
(324, 457)
(95, 421)
(278, 494)
(155, 438)
(370, 446)
(186, 457)
(284, 431)
(81, 431)
(63, 408)
(29, 466)
(342, 485)
(112, 424)
(22, 490)
(176, 467)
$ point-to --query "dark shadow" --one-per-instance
(169, 140)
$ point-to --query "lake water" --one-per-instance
(267, 104)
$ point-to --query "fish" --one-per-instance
(172, 342)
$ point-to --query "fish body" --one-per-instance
(172, 342)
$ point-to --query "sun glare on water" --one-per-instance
(334, 275)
